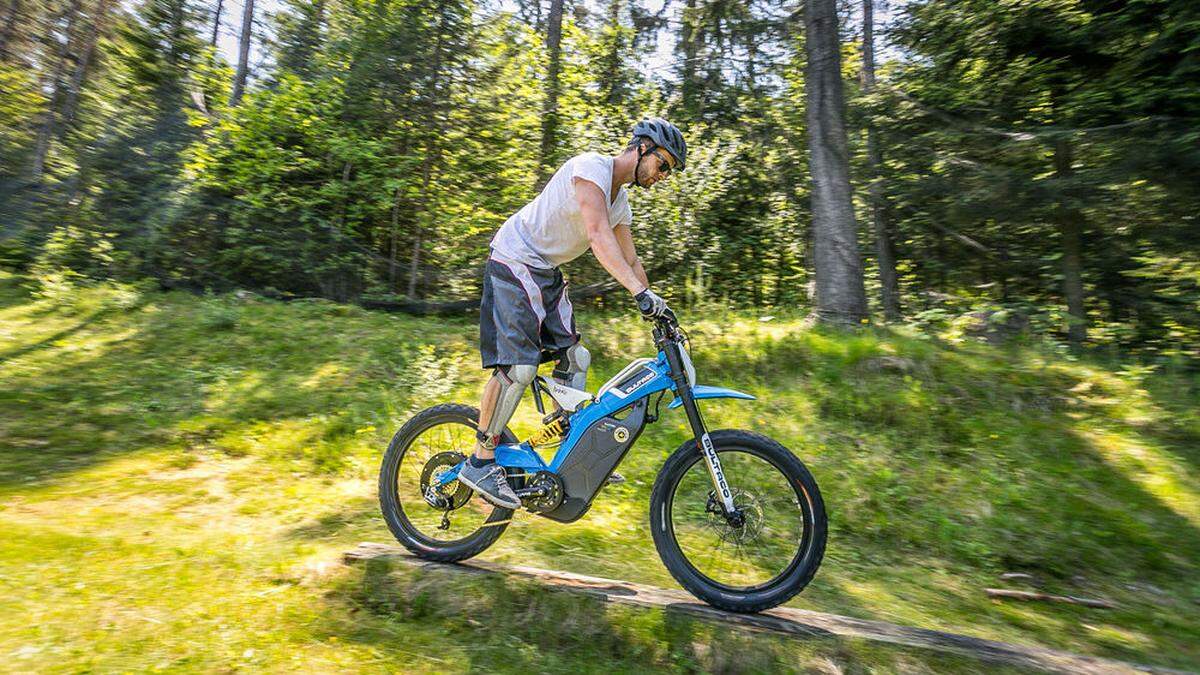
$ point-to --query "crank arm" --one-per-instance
(525, 493)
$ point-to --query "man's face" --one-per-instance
(656, 165)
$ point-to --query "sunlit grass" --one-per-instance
(198, 465)
(1171, 481)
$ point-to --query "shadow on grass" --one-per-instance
(361, 513)
(986, 419)
(87, 321)
(171, 381)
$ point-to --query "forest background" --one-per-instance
(1032, 163)
(180, 471)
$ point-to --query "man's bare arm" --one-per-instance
(625, 239)
(605, 246)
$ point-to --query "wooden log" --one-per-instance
(1027, 595)
(1019, 576)
(786, 620)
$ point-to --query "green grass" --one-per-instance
(179, 474)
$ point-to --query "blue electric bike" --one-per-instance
(737, 518)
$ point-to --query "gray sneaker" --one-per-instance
(615, 478)
(489, 482)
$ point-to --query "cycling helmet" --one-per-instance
(665, 135)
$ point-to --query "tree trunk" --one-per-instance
(8, 26)
(550, 103)
(328, 288)
(82, 64)
(885, 252)
(841, 297)
(243, 66)
(414, 264)
(49, 123)
(1071, 233)
(216, 23)
(612, 69)
(71, 105)
(432, 147)
(687, 82)
(751, 65)
(394, 243)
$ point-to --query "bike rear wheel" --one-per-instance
(764, 561)
(448, 525)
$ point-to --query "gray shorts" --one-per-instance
(525, 314)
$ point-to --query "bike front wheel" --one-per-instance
(748, 566)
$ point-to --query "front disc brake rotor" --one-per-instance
(752, 518)
(446, 497)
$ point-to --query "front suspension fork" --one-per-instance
(683, 389)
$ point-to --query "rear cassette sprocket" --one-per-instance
(447, 497)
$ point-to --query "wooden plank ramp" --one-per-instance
(787, 620)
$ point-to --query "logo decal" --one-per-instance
(714, 465)
(637, 380)
(621, 434)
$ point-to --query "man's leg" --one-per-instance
(491, 391)
(512, 315)
(501, 395)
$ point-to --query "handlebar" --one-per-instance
(666, 326)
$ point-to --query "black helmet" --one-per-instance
(665, 135)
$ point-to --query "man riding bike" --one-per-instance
(525, 310)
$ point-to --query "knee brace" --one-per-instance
(571, 369)
(513, 381)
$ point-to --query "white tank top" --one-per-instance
(549, 230)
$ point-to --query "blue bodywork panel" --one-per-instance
(522, 456)
(705, 391)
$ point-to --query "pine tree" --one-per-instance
(841, 298)
(243, 65)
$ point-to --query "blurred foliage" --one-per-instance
(381, 144)
(1009, 122)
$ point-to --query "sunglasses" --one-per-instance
(665, 166)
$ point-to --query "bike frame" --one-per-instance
(668, 372)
